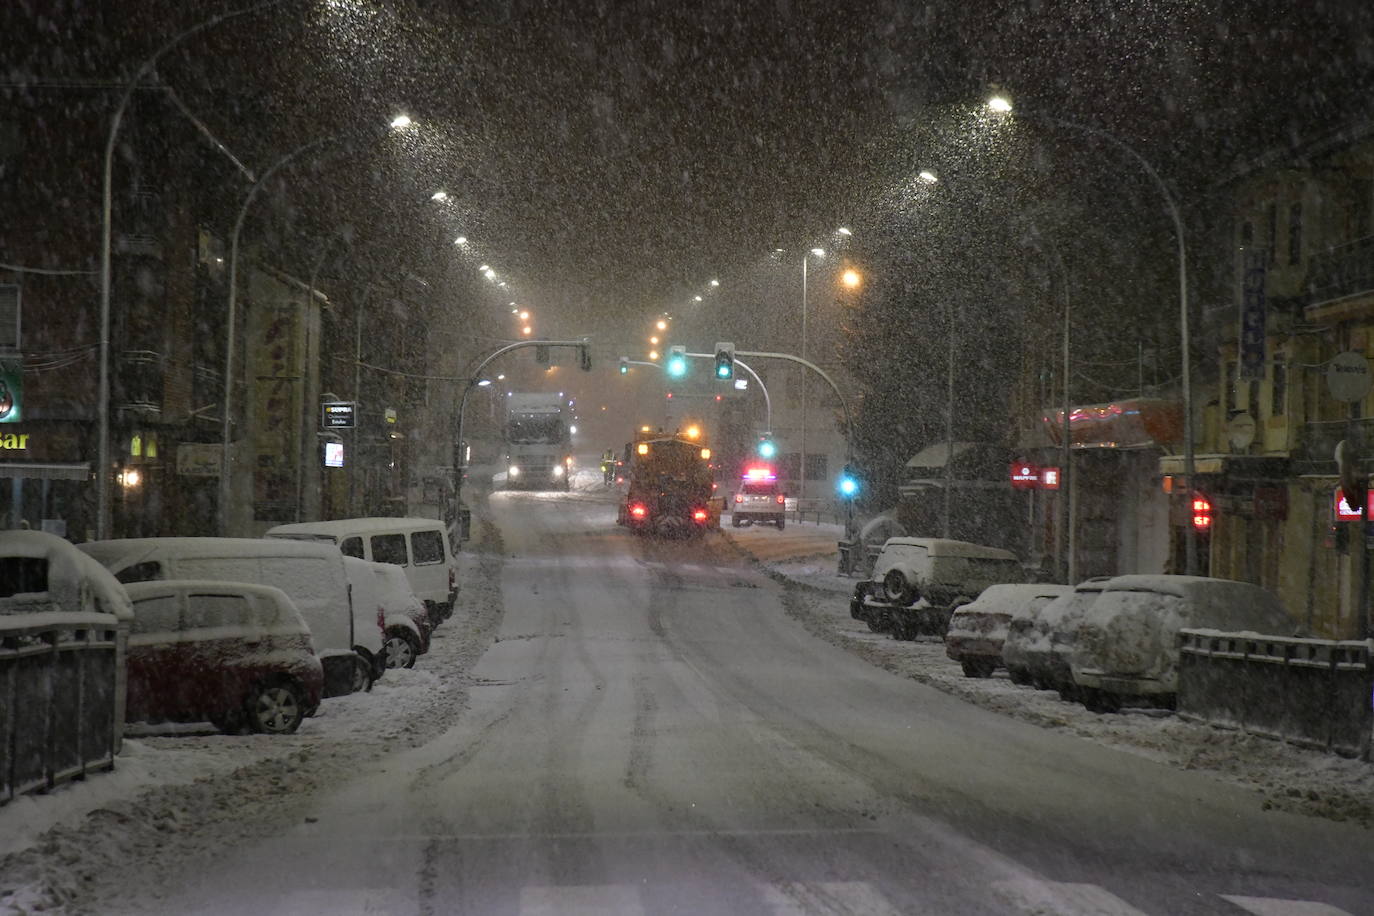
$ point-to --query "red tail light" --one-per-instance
(782, 500)
(638, 511)
(699, 515)
(738, 498)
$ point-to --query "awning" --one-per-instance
(1135, 423)
(937, 455)
(35, 470)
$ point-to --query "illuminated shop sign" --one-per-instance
(337, 415)
(333, 455)
(11, 395)
(1348, 513)
(1025, 476)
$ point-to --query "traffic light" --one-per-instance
(584, 357)
(848, 484)
(677, 362)
(767, 448)
(541, 355)
(624, 365)
(725, 361)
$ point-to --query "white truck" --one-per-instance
(538, 442)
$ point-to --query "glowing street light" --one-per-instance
(653, 340)
(662, 325)
(715, 283)
(401, 122)
(843, 231)
(461, 240)
(489, 274)
(653, 355)
(852, 278)
(483, 267)
(439, 195)
(1000, 104)
(926, 176)
(818, 252)
(527, 331)
(525, 316)
(483, 383)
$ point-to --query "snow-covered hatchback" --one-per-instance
(977, 631)
(225, 652)
(1127, 646)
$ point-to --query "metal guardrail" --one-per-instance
(60, 699)
(1311, 692)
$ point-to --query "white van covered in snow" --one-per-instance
(420, 546)
(312, 575)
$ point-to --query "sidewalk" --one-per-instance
(1287, 777)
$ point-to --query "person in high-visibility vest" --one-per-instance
(608, 466)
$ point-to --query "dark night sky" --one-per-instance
(622, 152)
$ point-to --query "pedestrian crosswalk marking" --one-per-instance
(1275, 906)
(1030, 897)
(581, 900)
(1052, 898)
(846, 896)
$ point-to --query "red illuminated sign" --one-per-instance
(760, 474)
(1202, 512)
(1049, 478)
(1347, 513)
(1025, 476)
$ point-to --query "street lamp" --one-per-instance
(926, 176)
(819, 253)
(225, 478)
(1002, 104)
(103, 476)
(852, 278)
(401, 122)
(439, 195)
(461, 240)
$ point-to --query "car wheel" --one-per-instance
(977, 667)
(782, 522)
(362, 675)
(1019, 676)
(276, 708)
(874, 624)
(735, 521)
(402, 648)
(897, 590)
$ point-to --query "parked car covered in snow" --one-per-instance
(1041, 636)
(45, 580)
(978, 630)
(228, 653)
(1127, 646)
(403, 618)
(420, 546)
(917, 583)
(347, 640)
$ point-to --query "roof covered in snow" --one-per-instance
(944, 547)
(344, 527)
(125, 551)
(68, 568)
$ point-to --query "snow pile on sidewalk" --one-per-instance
(1286, 777)
(179, 791)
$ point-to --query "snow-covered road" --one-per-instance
(652, 731)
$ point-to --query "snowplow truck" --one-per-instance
(669, 490)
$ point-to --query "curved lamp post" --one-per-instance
(102, 477)
(1002, 105)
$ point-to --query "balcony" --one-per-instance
(1342, 271)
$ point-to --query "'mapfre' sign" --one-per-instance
(337, 415)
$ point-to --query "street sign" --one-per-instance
(1348, 377)
(1049, 478)
(333, 454)
(1025, 476)
(337, 415)
(199, 459)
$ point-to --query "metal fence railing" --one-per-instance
(61, 701)
(1311, 692)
